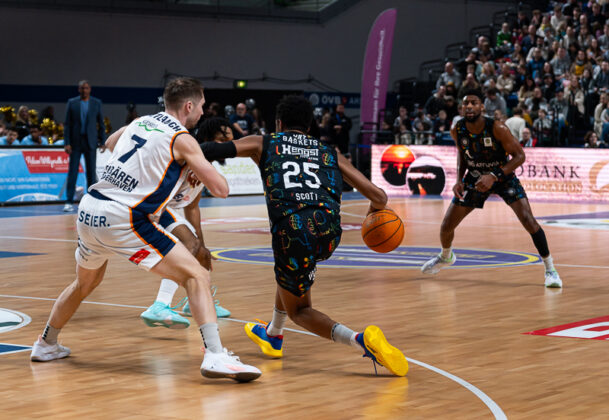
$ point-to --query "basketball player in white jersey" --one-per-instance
(116, 217)
(188, 230)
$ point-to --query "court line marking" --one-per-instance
(26, 320)
(135, 307)
(29, 238)
(581, 266)
(529, 259)
(419, 222)
(492, 405)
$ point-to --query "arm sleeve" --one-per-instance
(218, 151)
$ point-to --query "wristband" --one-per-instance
(218, 151)
(499, 174)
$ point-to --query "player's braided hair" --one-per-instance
(210, 127)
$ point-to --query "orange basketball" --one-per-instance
(383, 231)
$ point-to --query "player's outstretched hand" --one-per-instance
(207, 259)
(193, 180)
(373, 209)
(485, 182)
(458, 190)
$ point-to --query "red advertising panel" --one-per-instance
(47, 162)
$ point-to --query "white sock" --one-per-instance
(549, 263)
(166, 291)
(211, 337)
(277, 323)
(344, 335)
(353, 340)
(50, 334)
(446, 253)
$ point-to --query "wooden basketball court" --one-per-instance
(461, 329)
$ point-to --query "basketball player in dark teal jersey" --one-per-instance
(488, 155)
(302, 178)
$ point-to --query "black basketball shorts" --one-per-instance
(510, 190)
(299, 241)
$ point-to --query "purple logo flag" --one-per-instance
(375, 74)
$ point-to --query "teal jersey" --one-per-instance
(299, 172)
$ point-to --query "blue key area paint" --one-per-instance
(9, 254)
(12, 348)
(32, 211)
(405, 257)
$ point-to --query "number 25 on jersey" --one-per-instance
(293, 170)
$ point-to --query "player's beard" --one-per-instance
(190, 123)
(472, 119)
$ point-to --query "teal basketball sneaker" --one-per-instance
(221, 312)
(161, 315)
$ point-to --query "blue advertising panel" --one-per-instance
(35, 175)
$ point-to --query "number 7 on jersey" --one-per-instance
(139, 142)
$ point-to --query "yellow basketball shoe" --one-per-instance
(380, 351)
(270, 345)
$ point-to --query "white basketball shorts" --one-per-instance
(106, 227)
(172, 218)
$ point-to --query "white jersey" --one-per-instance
(142, 172)
(186, 193)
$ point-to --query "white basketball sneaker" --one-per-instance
(553, 279)
(434, 265)
(227, 365)
(45, 352)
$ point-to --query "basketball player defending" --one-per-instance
(145, 170)
(302, 181)
(484, 168)
(188, 230)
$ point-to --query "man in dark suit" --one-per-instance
(83, 133)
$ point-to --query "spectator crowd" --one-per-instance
(546, 75)
(330, 125)
(243, 119)
(28, 127)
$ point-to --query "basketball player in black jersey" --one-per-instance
(488, 155)
(302, 178)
